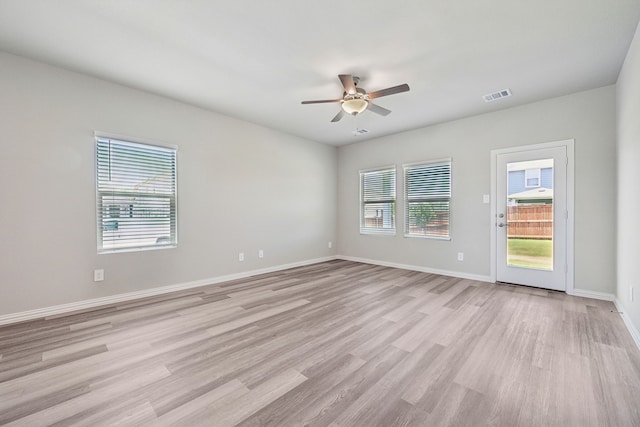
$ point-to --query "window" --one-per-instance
(427, 198)
(532, 177)
(378, 201)
(136, 195)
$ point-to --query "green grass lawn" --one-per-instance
(531, 247)
(530, 253)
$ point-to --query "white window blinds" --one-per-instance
(378, 201)
(136, 195)
(427, 199)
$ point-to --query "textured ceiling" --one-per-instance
(257, 60)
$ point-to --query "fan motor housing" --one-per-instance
(360, 94)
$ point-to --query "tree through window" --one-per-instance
(427, 199)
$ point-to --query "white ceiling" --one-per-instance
(257, 60)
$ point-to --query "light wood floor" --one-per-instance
(332, 344)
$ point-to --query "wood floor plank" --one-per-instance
(338, 344)
(330, 404)
(205, 407)
(376, 404)
(283, 410)
(97, 394)
(247, 320)
(259, 397)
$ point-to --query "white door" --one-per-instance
(531, 218)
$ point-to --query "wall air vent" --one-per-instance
(359, 132)
(504, 93)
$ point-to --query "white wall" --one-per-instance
(628, 114)
(588, 117)
(241, 187)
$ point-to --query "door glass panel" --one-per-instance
(530, 214)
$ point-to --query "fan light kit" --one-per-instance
(354, 106)
(355, 100)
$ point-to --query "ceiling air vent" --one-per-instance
(359, 131)
(497, 95)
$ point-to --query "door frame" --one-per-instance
(569, 146)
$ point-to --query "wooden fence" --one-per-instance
(530, 221)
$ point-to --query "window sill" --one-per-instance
(378, 233)
(143, 249)
(417, 236)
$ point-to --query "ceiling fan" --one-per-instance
(355, 100)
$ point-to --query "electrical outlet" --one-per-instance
(486, 199)
(98, 275)
(241, 256)
(330, 245)
(260, 253)
(460, 256)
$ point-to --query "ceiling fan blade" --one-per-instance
(378, 109)
(389, 91)
(322, 101)
(338, 116)
(348, 83)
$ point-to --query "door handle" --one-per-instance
(502, 224)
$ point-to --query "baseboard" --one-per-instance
(459, 274)
(113, 299)
(635, 334)
(592, 294)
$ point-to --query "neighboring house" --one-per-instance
(524, 176)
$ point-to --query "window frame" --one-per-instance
(429, 163)
(537, 176)
(378, 231)
(172, 198)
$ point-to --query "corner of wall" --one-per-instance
(628, 201)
